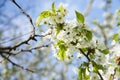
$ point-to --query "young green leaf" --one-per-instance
(118, 24)
(61, 9)
(79, 17)
(82, 74)
(105, 51)
(59, 27)
(115, 37)
(62, 49)
(97, 66)
(88, 34)
(118, 11)
(44, 14)
(53, 7)
(61, 52)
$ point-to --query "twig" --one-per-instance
(89, 60)
(113, 75)
(84, 54)
(15, 38)
(14, 64)
(28, 16)
(30, 50)
(87, 10)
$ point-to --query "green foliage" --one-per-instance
(82, 74)
(105, 51)
(44, 14)
(118, 12)
(53, 8)
(97, 67)
(61, 9)
(88, 34)
(79, 17)
(59, 27)
(118, 24)
(116, 37)
(62, 49)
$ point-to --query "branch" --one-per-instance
(88, 7)
(30, 50)
(17, 65)
(84, 54)
(113, 75)
(28, 16)
(89, 60)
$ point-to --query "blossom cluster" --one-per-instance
(73, 36)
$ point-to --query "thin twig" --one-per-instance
(17, 65)
(89, 60)
(30, 50)
(28, 16)
(87, 10)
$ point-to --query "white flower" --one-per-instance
(116, 50)
(101, 46)
(111, 70)
(63, 5)
(75, 70)
(94, 76)
(79, 55)
(113, 42)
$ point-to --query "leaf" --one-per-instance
(44, 14)
(61, 9)
(118, 12)
(97, 67)
(118, 24)
(79, 17)
(88, 34)
(62, 50)
(105, 51)
(115, 37)
(53, 8)
(61, 53)
(59, 27)
(82, 74)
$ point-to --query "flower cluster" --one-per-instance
(73, 36)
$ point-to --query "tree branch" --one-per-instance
(17, 65)
(89, 60)
(28, 16)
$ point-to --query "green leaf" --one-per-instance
(79, 17)
(115, 37)
(61, 9)
(88, 34)
(118, 12)
(118, 24)
(59, 27)
(82, 74)
(53, 7)
(105, 51)
(44, 14)
(61, 53)
(97, 67)
(62, 49)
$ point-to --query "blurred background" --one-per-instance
(15, 27)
